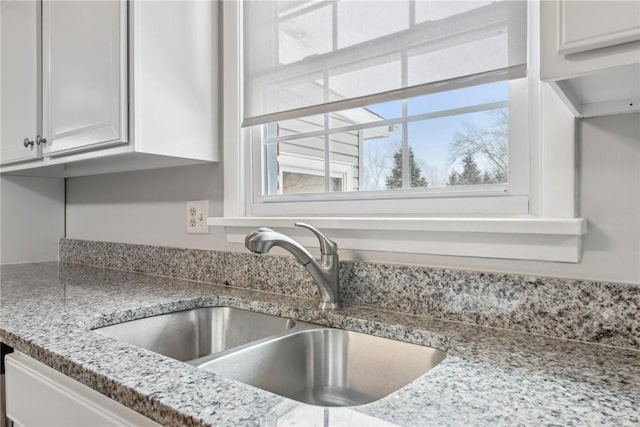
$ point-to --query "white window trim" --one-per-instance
(550, 231)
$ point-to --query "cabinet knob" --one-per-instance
(40, 140)
(27, 142)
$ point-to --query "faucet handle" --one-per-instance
(327, 247)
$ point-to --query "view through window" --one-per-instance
(448, 139)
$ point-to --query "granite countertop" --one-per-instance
(491, 376)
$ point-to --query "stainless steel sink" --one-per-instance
(328, 367)
(305, 362)
(198, 334)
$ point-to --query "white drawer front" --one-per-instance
(40, 396)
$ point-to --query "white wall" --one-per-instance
(144, 207)
(148, 207)
(31, 218)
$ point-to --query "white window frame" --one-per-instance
(495, 199)
(496, 226)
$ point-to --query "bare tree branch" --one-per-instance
(491, 143)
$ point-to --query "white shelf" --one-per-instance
(612, 91)
(107, 160)
(552, 226)
(543, 239)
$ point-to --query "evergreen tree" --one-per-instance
(454, 178)
(395, 179)
(470, 172)
(499, 177)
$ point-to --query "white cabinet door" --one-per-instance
(84, 74)
(20, 76)
(587, 25)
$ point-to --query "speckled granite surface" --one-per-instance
(491, 376)
(607, 313)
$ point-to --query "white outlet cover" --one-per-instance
(197, 214)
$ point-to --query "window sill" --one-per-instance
(528, 238)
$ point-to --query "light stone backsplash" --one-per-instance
(601, 312)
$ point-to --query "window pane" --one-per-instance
(295, 182)
(304, 34)
(294, 167)
(451, 61)
(355, 116)
(363, 159)
(457, 138)
(428, 10)
(343, 161)
(380, 148)
(460, 98)
(465, 149)
(300, 126)
(358, 22)
(387, 110)
(308, 54)
(363, 78)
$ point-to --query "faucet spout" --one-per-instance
(261, 241)
(324, 273)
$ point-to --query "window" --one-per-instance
(405, 126)
(442, 141)
(351, 100)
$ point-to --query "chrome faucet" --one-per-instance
(325, 273)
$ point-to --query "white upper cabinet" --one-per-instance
(590, 53)
(84, 74)
(175, 85)
(598, 24)
(126, 85)
(19, 75)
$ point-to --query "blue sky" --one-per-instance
(430, 138)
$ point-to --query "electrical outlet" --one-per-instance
(197, 213)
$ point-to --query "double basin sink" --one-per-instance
(302, 361)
